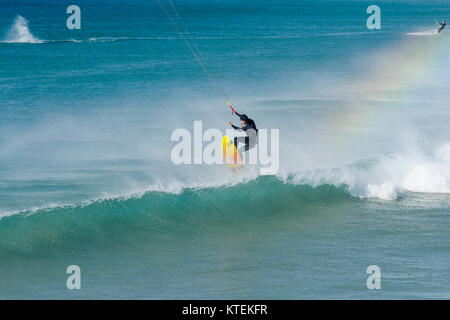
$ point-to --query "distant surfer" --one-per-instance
(249, 127)
(442, 26)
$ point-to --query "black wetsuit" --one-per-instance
(250, 129)
(443, 24)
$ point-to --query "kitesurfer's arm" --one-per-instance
(234, 127)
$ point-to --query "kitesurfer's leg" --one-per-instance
(244, 147)
(252, 140)
(239, 139)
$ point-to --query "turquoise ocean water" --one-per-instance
(86, 177)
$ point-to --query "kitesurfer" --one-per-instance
(249, 127)
(442, 24)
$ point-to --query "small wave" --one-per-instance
(20, 33)
(345, 34)
(68, 40)
(28, 39)
(423, 33)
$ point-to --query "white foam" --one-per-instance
(387, 177)
(20, 33)
(385, 191)
(34, 209)
(432, 176)
(423, 33)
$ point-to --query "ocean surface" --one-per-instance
(86, 177)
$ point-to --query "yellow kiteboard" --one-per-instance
(230, 154)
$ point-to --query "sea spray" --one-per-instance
(20, 33)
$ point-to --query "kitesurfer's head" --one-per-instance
(244, 118)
